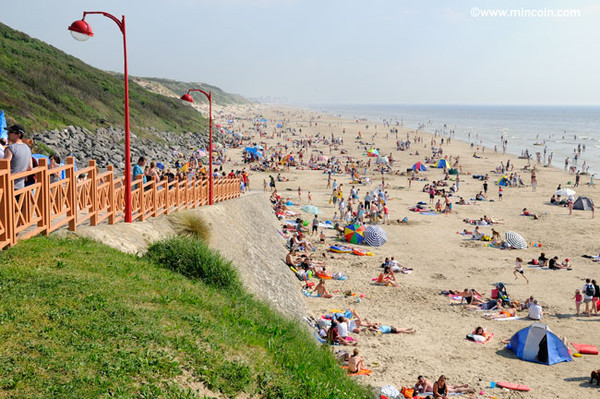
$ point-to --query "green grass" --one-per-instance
(79, 319)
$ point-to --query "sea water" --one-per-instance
(554, 130)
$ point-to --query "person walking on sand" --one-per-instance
(570, 201)
(299, 194)
(588, 294)
(500, 193)
(578, 299)
(315, 225)
(519, 269)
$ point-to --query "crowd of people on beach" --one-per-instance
(350, 206)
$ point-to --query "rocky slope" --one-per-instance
(106, 145)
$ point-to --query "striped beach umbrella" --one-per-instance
(515, 240)
(354, 233)
(373, 153)
(375, 236)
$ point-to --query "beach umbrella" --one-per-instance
(565, 192)
(160, 166)
(375, 236)
(237, 135)
(382, 160)
(373, 153)
(515, 240)
(201, 153)
(354, 233)
(322, 158)
(311, 209)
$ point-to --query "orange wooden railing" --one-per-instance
(86, 195)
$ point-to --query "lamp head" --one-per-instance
(187, 97)
(81, 30)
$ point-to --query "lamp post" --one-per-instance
(81, 30)
(188, 98)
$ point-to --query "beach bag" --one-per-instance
(589, 290)
(390, 392)
(407, 392)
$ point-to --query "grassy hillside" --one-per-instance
(81, 320)
(44, 88)
(219, 96)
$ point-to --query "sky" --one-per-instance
(311, 52)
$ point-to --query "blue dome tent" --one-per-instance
(538, 344)
(503, 181)
(442, 163)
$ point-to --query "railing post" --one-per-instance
(176, 204)
(44, 199)
(7, 204)
(154, 198)
(168, 187)
(140, 188)
(111, 195)
(93, 177)
(72, 193)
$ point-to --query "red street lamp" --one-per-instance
(81, 30)
(188, 98)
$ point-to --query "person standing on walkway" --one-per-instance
(18, 153)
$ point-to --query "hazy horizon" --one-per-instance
(343, 52)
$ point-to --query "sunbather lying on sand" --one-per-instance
(511, 312)
(489, 305)
(423, 386)
(377, 327)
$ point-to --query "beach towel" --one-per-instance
(361, 372)
(510, 318)
(455, 299)
(310, 294)
(323, 340)
(429, 213)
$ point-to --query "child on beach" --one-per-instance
(578, 299)
(519, 269)
(500, 192)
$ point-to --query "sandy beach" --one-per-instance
(442, 259)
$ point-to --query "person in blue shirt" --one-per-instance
(138, 169)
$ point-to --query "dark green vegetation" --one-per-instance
(81, 320)
(44, 88)
(193, 259)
